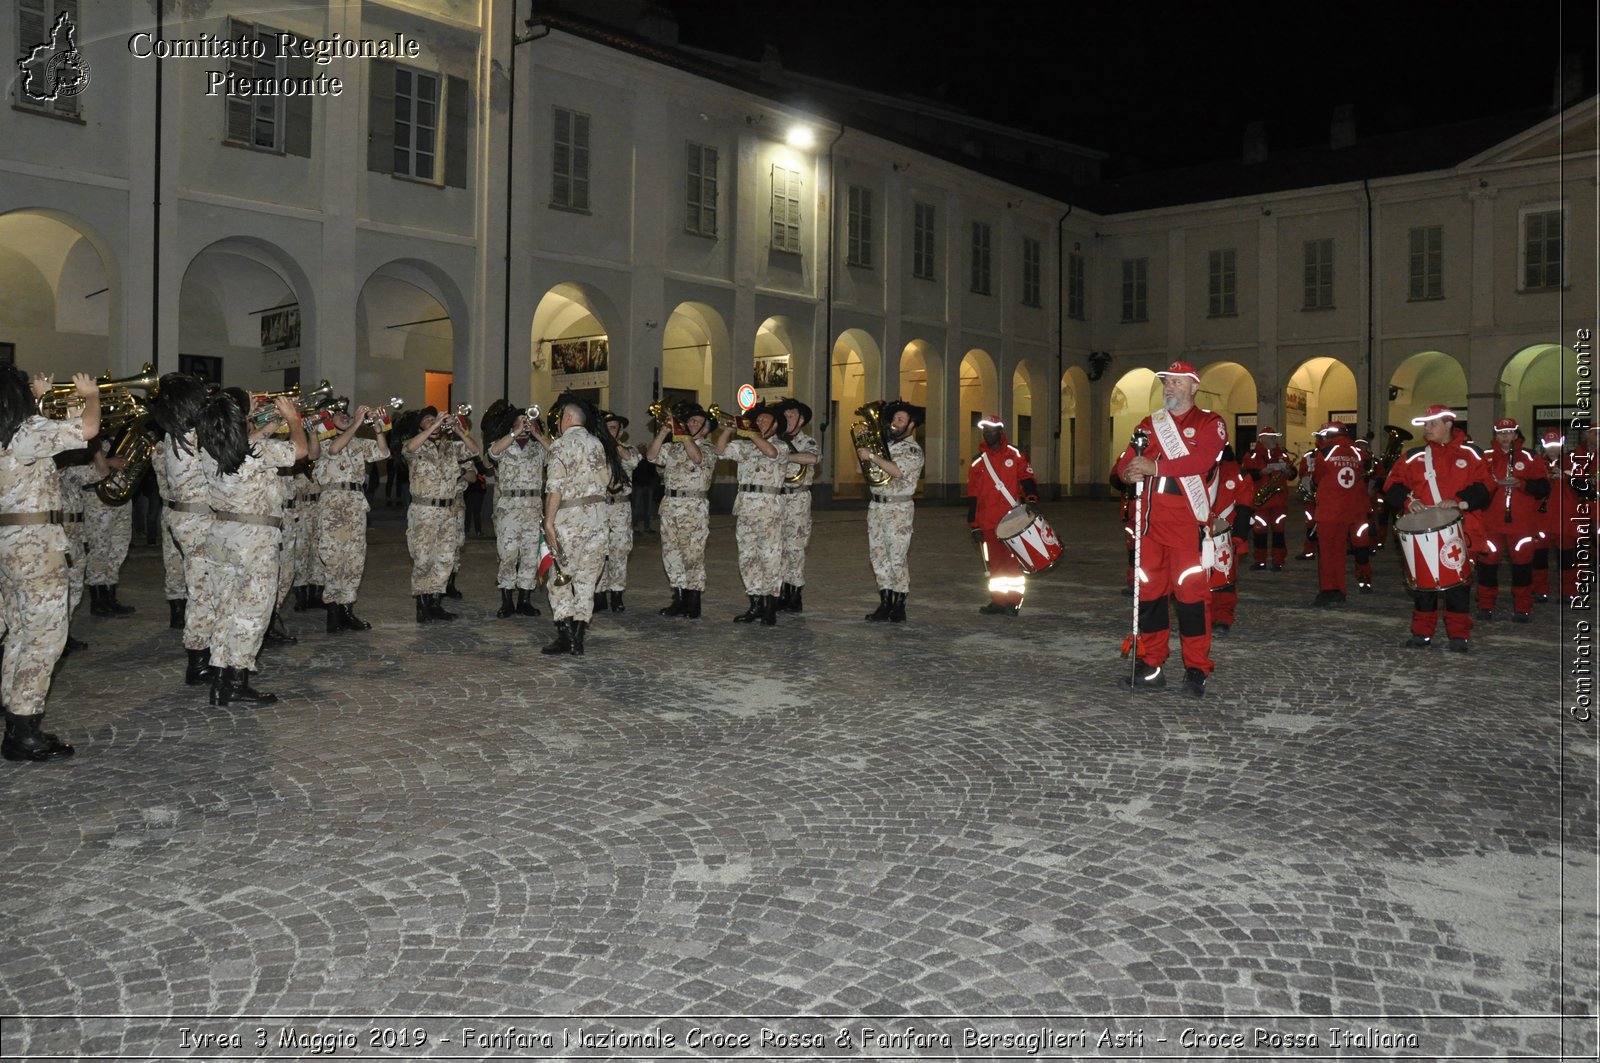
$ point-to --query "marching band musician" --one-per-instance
(999, 478)
(1343, 504)
(1445, 473)
(759, 511)
(1181, 469)
(431, 521)
(518, 455)
(582, 468)
(687, 468)
(293, 487)
(469, 474)
(303, 553)
(341, 545)
(795, 497)
(109, 530)
(891, 511)
(185, 518)
(1235, 493)
(1304, 469)
(33, 554)
(619, 521)
(1266, 460)
(1510, 521)
(77, 472)
(243, 548)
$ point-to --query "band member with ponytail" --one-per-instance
(342, 514)
(891, 512)
(759, 511)
(33, 554)
(246, 535)
(619, 522)
(1179, 470)
(582, 468)
(1511, 521)
(796, 496)
(435, 453)
(687, 468)
(109, 530)
(185, 518)
(517, 449)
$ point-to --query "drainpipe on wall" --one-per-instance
(827, 300)
(1372, 409)
(155, 231)
(534, 33)
(1061, 258)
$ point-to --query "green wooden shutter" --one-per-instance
(456, 132)
(380, 116)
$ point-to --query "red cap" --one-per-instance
(1552, 437)
(1180, 369)
(1506, 424)
(991, 420)
(1269, 431)
(1331, 428)
(1435, 412)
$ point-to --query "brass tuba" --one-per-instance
(869, 434)
(119, 407)
(1394, 441)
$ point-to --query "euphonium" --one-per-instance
(868, 434)
(119, 407)
(1395, 441)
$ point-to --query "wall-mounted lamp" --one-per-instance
(1266, 212)
(800, 136)
(649, 324)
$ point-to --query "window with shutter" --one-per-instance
(785, 210)
(1318, 275)
(980, 258)
(1222, 283)
(256, 121)
(381, 76)
(1135, 290)
(1076, 287)
(35, 22)
(1030, 272)
(569, 161)
(1427, 263)
(858, 243)
(1543, 237)
(457, 126)
(922, 241)
(700, 205)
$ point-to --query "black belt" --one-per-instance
(876, 497)
(674, 493)
(1169, 485)
(72, 518)
(756, 489)
(23, 520)
(250, 518)
(188, 507)
(519, 492)
(442, 503)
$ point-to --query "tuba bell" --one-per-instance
(121, 408)
(869, 434)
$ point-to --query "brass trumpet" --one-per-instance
(725, 420)
(382, 418)
(264, 409)
(663, 417)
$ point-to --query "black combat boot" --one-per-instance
(199, 670)
(450, 588)
(678, 607)
(74, 645)
(602, 601)
(794, 599)
(278, 632)
(691, 604)
(579, 627)
(508, 603)
(222, 684)
(352, 622)
(97, 602)
(25, 741)
(525, 606)
(335, 620)
(302, 595)
(116, 607)
(422, 608)
(884, 607)
(179, 609)
(616, 603)
(785, 596)
(754, 612)
(563, 639)
(897, 607)
(769, 609)
(244, 692)
(314, 596)
(436, 608)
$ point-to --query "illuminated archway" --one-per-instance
(1228, 390)
(776, 359)
(1022, 426)
(1422, 380)
(1321, 389)
(855, 362)
(1536, 388)
(1136, 394)
(60, 291)
(406, 329)
(922, 384)
(235, 296)
(1073, 453)
(980, 392)
(694, 337)
(571, 346)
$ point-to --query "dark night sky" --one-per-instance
(1172, 83)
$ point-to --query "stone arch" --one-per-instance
(694, 339)
(577, 316)
(62, 293)
(1541, 377)
(227, 286)
(1421, 380)
(980, 392)
(1135, 395)
(409, 318)
(1073, 450)
(776, 368)
(855, 365)
(1318, 388)
(922, 383)
(1024, 425)
(1228, 390)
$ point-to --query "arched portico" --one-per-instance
(61, 294)
(245, 307)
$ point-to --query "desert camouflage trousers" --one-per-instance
(341, 545)
(581, 535)
(516, 541)
(33, 604)
(242, 560)
(284, 575)
(889, 543)
(796, 536)
(185, 538)
(174, 583)
(685, 526)
(110, 529)
(619, 544)
(759, 533)
(431, 539)
(307, 529)
(77, 563)
(461, 535)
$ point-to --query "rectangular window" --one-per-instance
(1427, 262)
(858, 238)
(255, 121)
(1135, 290)
(416, 123)
(1077, 286)
(980, 258)
(1318, 275)
(1543, 239)
(1030, 272)
(569, 161)
(1223, 282)
(701, 178)
(51, 72)
(922, 241)
(785, 210)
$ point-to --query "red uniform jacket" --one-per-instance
(1341, 488)
(1521, 501)
(1459, 473)
(1255, 464)
(1204, 435)
(1015, 473)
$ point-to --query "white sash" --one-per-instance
(1427, 473)
(1012, 502)
(1172, 446)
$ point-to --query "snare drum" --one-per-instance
(1224, 562)
(1434, 545)
(1030, 538)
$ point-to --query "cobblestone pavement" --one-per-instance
(816, 837)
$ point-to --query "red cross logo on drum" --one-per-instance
(1453, 556)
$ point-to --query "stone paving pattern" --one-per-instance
(960, 815)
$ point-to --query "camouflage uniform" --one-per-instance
(518, 513)
(242, 549)
(74, 480)
(291, 494)
(186, 519)
(432, 521)
(797, 512)
(33, 561)
(109, 530)
(759, 509)
(889, 518)
(619, 529)
(307, 531)
(577, 467)
(684, 511)
(341, 545)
